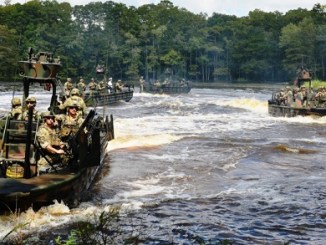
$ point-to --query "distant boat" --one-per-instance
(107, 94)
(102, 98)
(297, 100)
(20, 185)
(168, 86)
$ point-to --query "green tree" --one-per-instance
(298, 42)
(8, 53)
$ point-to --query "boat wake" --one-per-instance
(138, 142)
(251, 104)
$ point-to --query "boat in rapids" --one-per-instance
(299, 99)
(171, 88)
(168, 84)
(107, 95)
(21, 186)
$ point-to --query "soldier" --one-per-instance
(68, 87)
(75, 96)
(119, 86)
(50, 143)
(92, 86)
(70, 122)
(141, 84)
(280, 97)
(157, 85)
(301, 97)
(101, 86)
(31, 102)
(321, 97)
(16, 109)
(81, 86)
(288, 96)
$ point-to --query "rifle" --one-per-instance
(77, 144)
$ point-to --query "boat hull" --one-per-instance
(102, 99)
(168, 89)
(288, 111)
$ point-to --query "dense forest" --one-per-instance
(129, 41)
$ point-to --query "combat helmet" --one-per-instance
(15, 101)
(74, 91)
(31, 99)
(71, 103)
(47, 114)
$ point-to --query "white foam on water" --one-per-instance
(250, 104)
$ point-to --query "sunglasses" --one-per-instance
(29, 102)
(73, 107)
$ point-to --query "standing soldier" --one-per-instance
(101, 86)
(92, 86)
(141, 84)
(71, 121)
(81, 87)
(119, 86)
(16, 109)
(75, 96)
(68, 87)
(31, 102)
(321, 97)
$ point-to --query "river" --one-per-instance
(206, 166)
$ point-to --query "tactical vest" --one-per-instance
(69, 126)
(51, 136)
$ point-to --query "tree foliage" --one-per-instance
(129, 41)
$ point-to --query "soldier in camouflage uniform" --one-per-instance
(52, 146)
(321, 97)
(92, 86)
(68, 86)
(81, 87)
(74, 96)
(70, 122)
(16, 109)
(119, 86)
(31, 102)
(101, 86)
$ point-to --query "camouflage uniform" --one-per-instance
(69, 124)
(36, 114)
(16, 110)
(47, 135)
(82, 108)
(321, 97)
(101, 85)
(92, 85)
(81, 86)
(68, 87)
(119, 86)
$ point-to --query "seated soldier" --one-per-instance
(51, 145)
(16, 109)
